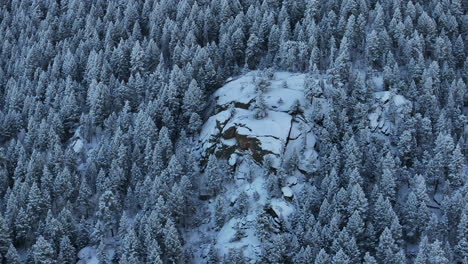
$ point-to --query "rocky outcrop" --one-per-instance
(387, 104)
(233, 130)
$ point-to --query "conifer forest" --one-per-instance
(233, 131)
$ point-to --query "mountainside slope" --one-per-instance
(271, 157)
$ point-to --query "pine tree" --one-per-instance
(397, 232)
(354, 156)
(12, 256)
(106, 215)
(5, 240)
(312, 88)
(212, 255)
(369, 259)
(275, 252)
(462, 249)
(234, 256)
(193, 99)
(70, 111)
(213, 174)
(322, 257)
(22, 227)
(383, 214)
(69, 65)
(84, 199)
(154, 254)
(373, 50)
(130, 248)
(462, 233)
(102, 253)
(436, 254)
(238, 46)
(387, 250)
(67, 253)
(83, 235)
(97, 100)
(137, 58)
(172, 244)
(456, 165)
(387, 185)
(357, 201)
(195, 122)
(422, 251)
(252, 52)
(162, 151)
(340, 258)
(304, 256)
(355, 224)
(342, 63)
(43, 251)
(260, 107)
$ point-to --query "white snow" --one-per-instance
(378, 118)
(378, 83)
(250, 243)
(87, 255)
(242, 90)
(212, 127)
(271, 131)
(281, 207)
(279, 133)
(292, 180)
(78, 145)
(239, 136)
(232, 159)
(373, 117)
(209, 127)
(400, 100)
(287, 192)
(386, 96)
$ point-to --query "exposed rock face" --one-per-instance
(387, 104)
(284, 135)
(234, 131)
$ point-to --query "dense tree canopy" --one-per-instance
(133, 79)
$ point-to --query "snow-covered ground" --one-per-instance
(88, 256)
(281, 133)
(234, 133)
(385, 101)
(223, 238)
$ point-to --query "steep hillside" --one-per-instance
(233, 131)
(264, 127)
(235, 127)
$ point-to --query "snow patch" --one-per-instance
(78, 146)
(281, 208)
(385, 100)
(287, 192)
(87, 255)
(282, 133)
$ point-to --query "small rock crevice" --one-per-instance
(288, 138)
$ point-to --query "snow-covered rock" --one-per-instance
(87, 255)
(284, 89)
(233, 130)
(287, 193)
(78, 145)
(386, 102)
(284, 136)
(291, 181)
